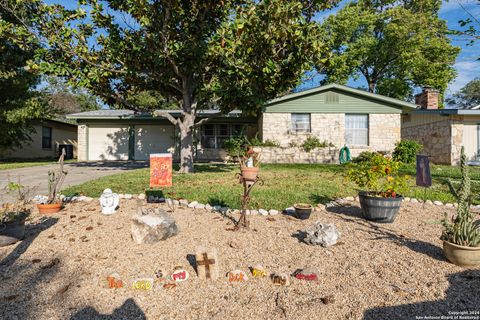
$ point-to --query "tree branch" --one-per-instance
(165, 114)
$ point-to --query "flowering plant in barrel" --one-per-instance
(382, 185)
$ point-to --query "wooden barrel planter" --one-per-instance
(377, 209)
(12, 232)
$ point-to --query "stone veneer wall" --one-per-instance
(441, 136)
(82, 142)
(297, 155)
(384, 130)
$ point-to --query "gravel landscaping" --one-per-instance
(375, 271)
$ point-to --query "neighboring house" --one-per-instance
(45, 142)
(333, 113)
(442, 132)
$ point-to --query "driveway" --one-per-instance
(78, 172)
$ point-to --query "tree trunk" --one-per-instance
(186, 142)
(371, 86)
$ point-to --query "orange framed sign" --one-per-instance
(160, 170)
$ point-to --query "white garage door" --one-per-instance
(470, 141)
(108, 142)
(152, 139)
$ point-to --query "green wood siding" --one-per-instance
(325, 102)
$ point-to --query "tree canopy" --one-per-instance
(195, 54)
(467, 97)
(395, 46)
(20, 103)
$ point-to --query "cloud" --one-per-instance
(467, 71)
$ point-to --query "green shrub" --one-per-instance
(380, 175)
(257, 142)
(364, 156)
(235, 145)
(313, 142)
(406, 150)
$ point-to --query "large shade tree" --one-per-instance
(467, 97)
(20, 103)
(196, 54)
(394, 46)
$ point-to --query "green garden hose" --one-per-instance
(344, 155)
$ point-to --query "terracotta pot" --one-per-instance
(49, 208)
(249, 173)
(461, 255)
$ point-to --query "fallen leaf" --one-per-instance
(91, 209)
(99, 223)
(9, 298)
(51, 264)
(71, 239)
(234, 244)
(36, 260)
(72, 216)
(271, 219)
(51, 236)
(63, 289)
(169, 285)
(82, 217)
(89, 228)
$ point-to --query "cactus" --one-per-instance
(462, 230)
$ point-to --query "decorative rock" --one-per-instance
(306, 274)
(414, 200)
(141, 196)
(406, 199)
(176, 202)
(183, 203)
(455, 205)
(247, 212)
(259, 272)
(320, 206)
(357, 198)
(169, 202)
(223, 210)
(322, 234)
(280, 279)
(263, 212)
(200, 206)
(350, 198)
(153, 227)
(128, 196)
(207, 263)
(272, 212)
(142, 284)
(208, 207)
(109, 201)
(236, 211)
(449, 205)
(438, 203)
(121, 196)
(429, 202)
(192, 204)
(179, 275)
(237, 276)
(114, 281)
(217, 207)
(253, 212)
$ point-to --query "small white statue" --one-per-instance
(109, 201)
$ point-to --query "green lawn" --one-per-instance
(284, 184)
(5, 165)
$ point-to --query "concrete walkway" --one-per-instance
(78, 172)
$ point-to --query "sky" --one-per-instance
(467, 63)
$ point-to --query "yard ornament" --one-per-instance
(109, 201)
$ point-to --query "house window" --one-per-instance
(213, 135)
(300, 122)
(356, 129)
(46, 137)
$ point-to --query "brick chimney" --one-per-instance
(427, 99)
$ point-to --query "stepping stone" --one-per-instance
(237, 276)
(207, 263)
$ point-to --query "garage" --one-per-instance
(108, 142)
(153, 139)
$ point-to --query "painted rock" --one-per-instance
(306, 274)
(259, 272)
(280, 279)
(179, 275)
(143, 284)
(237, 276)
(114, 281)
(207, 263)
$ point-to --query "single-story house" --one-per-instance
(46, 140)
(333, 113)
(442, 132)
